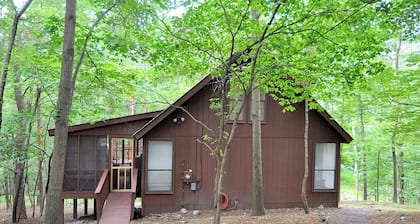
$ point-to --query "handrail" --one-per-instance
(134, 180)
(102, 181)
(101, 192)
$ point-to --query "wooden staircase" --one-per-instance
(118, 208)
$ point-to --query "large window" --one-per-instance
(159, 166)
(325, 166)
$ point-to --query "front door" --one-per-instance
(121, 164)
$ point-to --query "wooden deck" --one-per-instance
(117, 209)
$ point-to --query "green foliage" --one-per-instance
(340, 54)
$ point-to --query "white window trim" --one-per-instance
(171, 190)
(329, 168)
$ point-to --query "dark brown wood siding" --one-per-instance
(283, 159)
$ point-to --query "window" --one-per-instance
(325, 166)
(245, 115)
(139, 148)
(159, 166)
(234, 107)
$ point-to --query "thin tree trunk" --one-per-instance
(34, 196)
(30, 196)
(377, 175)
(9, 52)
(363, 149)
(257, 176)
(402, 182)
(222, 154)
(40, 182)
(394, 165)
(306, 172)
(7, 192)
(218, 191)
(257, 192)
(356, 166)
(54, 206)
(394, 133)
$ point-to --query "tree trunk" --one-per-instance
(363, 148)
(8, 55)
(377, 175)
(306, 172)
(356, 166)
(7, 192)
(218, 191)
(19, 208)
(28, 192)
(41, 197)
(257, 178)
(402, 182)
(394, 134)
(222, 154)
(394, 165)
(54, 205)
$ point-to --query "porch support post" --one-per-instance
(94, 209)
(62, 209)
(86, 206)
(74, 208)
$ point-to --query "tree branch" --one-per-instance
(403, 103)
(168, 29)
(205, 144)
(79, 63)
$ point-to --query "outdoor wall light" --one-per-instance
(178, 120)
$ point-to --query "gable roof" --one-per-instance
(165, 113)
(206, 80)
(158, 116)
(108, 122)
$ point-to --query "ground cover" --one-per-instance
(348, 212)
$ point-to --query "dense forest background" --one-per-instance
(362, 58)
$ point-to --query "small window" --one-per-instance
(235, 106)
(159, 166)
(325, 166)
(139, 148)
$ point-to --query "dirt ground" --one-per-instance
(374, 213)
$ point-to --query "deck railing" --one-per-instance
(133, 190)
(102, 191)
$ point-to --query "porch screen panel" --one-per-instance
(102, 155)
(70, 167)
(325, 166)
(87, 163)
(159, 166)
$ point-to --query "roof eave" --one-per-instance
(104, 123)
(171, 108)
(346, 136)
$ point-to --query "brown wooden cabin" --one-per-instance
(166, 141)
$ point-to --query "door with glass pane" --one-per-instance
(121, 164)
